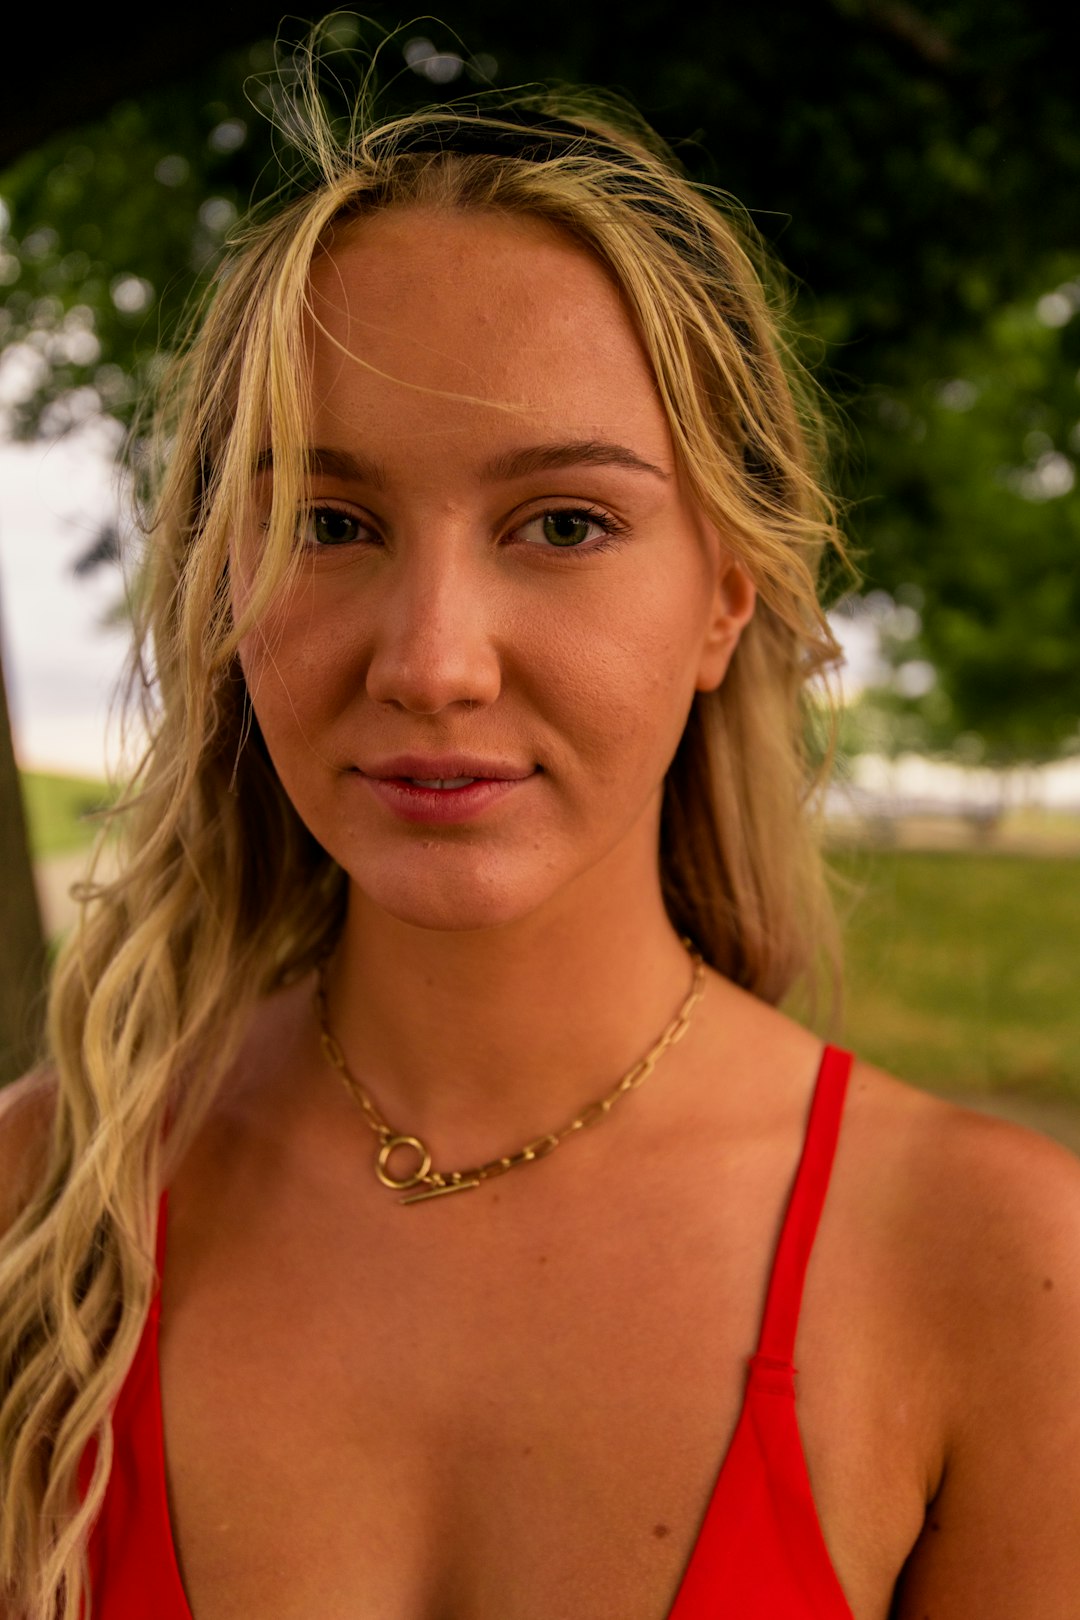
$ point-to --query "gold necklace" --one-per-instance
(436, 1183)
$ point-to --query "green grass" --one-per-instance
(57, 810)
(963, 969)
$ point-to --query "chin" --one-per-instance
(425, 896)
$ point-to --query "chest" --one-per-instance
(528, 1427)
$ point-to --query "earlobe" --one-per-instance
(734, 602)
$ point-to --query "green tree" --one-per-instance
(980, 540)
(917, 168)
(912, 166)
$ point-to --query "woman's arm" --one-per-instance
(1002, 1536)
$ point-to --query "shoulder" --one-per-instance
(981, 1183)
(979, 1222)
(27, 1109)
(993, 1205)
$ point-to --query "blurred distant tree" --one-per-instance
(915, 165)
(68, 72)
(22, 946)
(917, 168)
(980, 543)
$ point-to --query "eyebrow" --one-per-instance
(334, 463)
(573, 453)
(504, 468)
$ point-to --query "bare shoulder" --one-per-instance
(27, 1108)
(979, 1227)
(996, 1195)
(988, 1211)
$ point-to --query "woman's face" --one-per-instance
(501, 563)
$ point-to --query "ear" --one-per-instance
(734, 599)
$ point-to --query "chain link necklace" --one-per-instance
(437, 1183)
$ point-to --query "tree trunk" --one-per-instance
(22, 943)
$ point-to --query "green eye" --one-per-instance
(572, 529)
(566, 528)
(326, 526)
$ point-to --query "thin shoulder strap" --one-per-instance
(781, 1318)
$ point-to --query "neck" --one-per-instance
(480, 1040)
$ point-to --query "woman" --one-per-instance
(476, 813)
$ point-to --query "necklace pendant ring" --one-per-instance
(397, 1183)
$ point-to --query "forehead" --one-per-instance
(427, 321)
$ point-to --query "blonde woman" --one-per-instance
(411, 1220)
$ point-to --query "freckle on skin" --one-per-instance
(543, 1259)
(661, 1530)
(934, 1525)
(1048, 1283)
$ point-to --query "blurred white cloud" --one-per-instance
(61, 664)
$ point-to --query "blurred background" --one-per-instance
(915, 167)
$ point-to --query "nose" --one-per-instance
(435, 635)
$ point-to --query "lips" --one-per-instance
(443, 786)
(425, 768)
(411, 801)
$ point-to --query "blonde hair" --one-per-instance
(223, 895)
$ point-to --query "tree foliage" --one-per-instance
(917, 170)
(983, 531)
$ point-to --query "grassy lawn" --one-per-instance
(57, 808)
(964, 969)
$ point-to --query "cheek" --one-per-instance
(658, 656)
(623, 691)
(296, 655)
(288, 684)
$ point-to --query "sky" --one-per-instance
(60, 662)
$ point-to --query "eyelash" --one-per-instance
(613, 532)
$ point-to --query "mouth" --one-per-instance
(442, 799)
(441, 786)
(445, 771)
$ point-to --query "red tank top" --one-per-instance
(759, 1554)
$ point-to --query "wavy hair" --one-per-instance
(222, 893)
